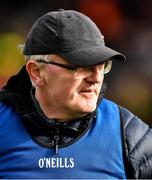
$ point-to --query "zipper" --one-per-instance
(56, 140)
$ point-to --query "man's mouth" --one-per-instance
(87, 92)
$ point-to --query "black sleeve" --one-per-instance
(137, 142)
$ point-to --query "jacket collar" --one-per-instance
(17, 92)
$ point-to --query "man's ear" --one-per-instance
(34, 72)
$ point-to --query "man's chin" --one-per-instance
(88, 108)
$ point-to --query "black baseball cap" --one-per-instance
(71, 35)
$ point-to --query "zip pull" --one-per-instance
(56, 139)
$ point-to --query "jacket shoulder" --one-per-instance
(138, 138)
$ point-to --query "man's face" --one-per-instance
(66, 93)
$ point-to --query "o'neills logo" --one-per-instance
(56, 162)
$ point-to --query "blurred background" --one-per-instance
(127, 27)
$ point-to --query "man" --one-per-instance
(54, 121)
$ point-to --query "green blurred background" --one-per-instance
(126, 25)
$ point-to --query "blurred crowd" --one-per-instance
(127, 27)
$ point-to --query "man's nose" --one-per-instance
(96, 76)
